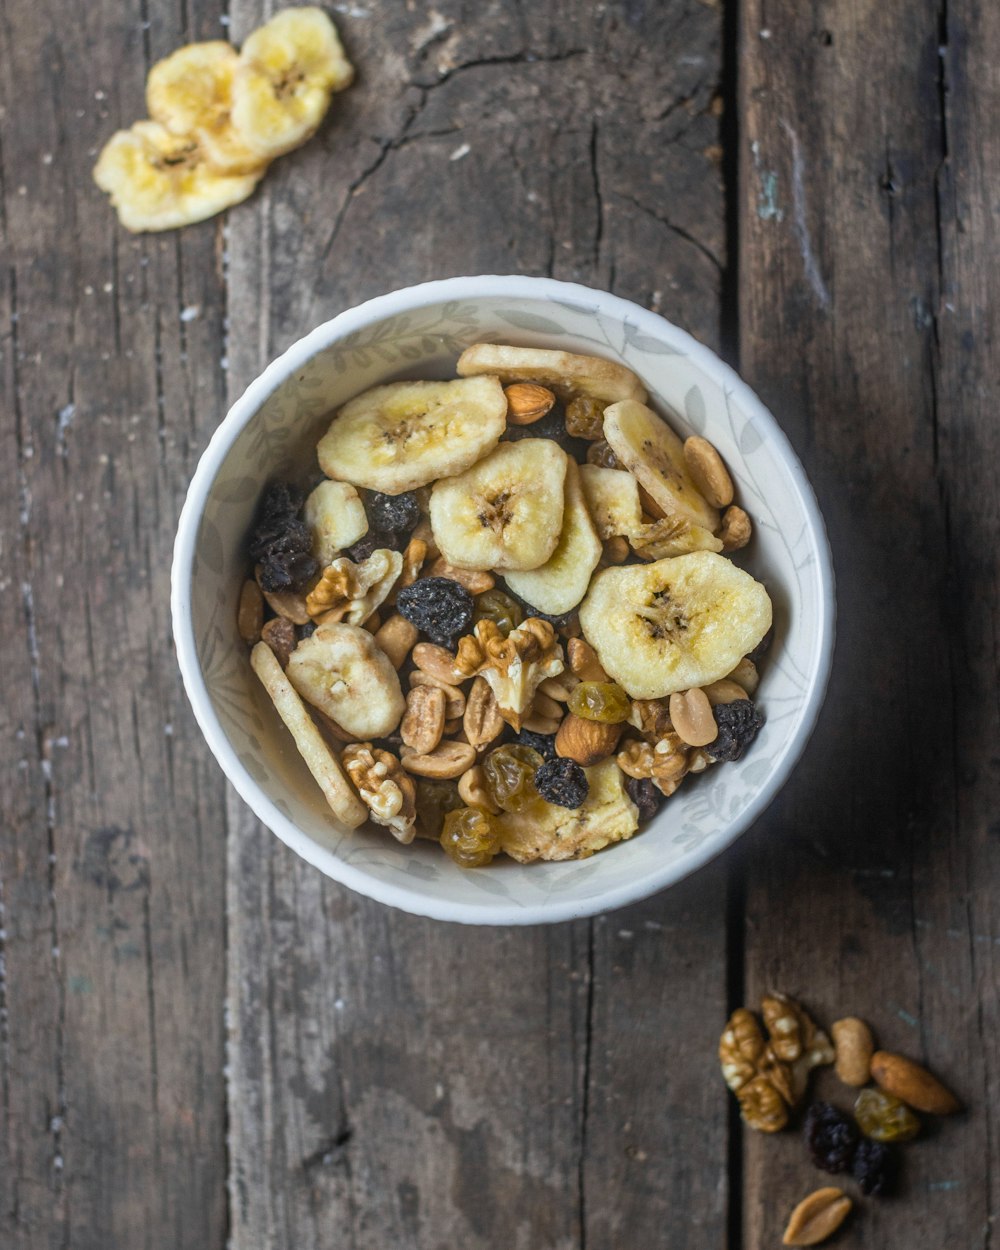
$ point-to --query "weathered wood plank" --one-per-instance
(869, 326)
(113, 844)
(407, 1083)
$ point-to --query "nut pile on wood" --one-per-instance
(511, 588)
(769, 1076)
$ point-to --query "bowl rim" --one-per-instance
(405, 896)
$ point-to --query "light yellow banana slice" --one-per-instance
(561, 582)
(505, 512)
(612, 497)
(336, 516)
(159, 181)
(398, 437)
(675, 624)
(563, 372)
(653, 453)
(673, 535)
(546, 831)
(341, 670)
(289, 68)
(190, 92)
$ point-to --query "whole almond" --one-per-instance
(692, 719)
(475, 581)
(586, 741)
(853, 1045)
(912, 1084)
(482, 721)
(527, 402)
(422, 726)
(817, 1217)
(447, 760)
(709, 472)
(583, 661)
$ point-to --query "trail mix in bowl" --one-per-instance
(506, 620)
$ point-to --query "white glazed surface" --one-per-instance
(419, 332)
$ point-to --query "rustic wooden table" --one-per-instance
(202, 1039)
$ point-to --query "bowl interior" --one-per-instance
(274, 429)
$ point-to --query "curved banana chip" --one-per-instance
(565, 373)
(560, 583)
(191, 93)
(288, 70)
(397, 437)
(159, 181)
(678, 623)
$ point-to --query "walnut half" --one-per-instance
(514, 666)
(387, 791)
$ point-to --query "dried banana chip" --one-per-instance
(159, 181)
(320, 760)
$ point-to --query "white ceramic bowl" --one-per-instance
(419, 332)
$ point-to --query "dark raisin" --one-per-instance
(544, 744)
(392, 513)
(307, 630)
(873, 1167)
(738, 724)
(831, 1137)
(439, 607)
(563, 782)
(552, 425)
(281, 542)
(374, 540)
(644, 795)
(762, 647)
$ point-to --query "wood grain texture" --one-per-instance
(408, 1083)
(870, 329)
(112, 845)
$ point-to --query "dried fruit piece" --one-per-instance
(403, 435)
(565, 373)
(435, 799)
(708, 471)
(602, 455)
(500, 608)
(817, 1217)
(831, 1137)
(280, 542)
(439, 606)
(738, 723)
(854, 1047)
(613, 499)
(336, 519)
(884, 1117)
(645, 796)
(873, 1167)
(544, 744)
(289, 68)
(469, 837)
(675, 624)
(913, 1084)
(562, 781)
(342, 671)
(399, 513)
(510, 772)
(600, 701)
(585, 418)
(320, 760)
(159, 181)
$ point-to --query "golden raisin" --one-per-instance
(510, 775)
(884, 1117)
(601, 454)
(585, 417)
(601, 701)
(500, 608)
(469, 837)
